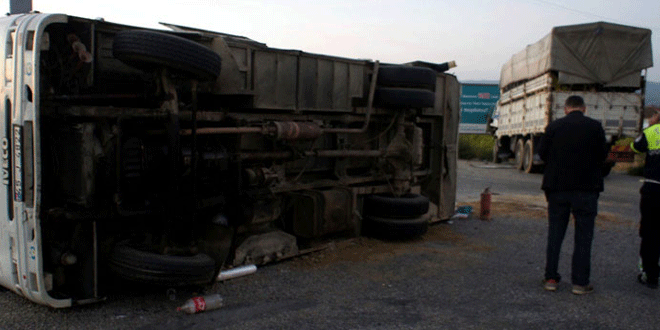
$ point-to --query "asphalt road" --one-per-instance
(463, 274)
(621, 195)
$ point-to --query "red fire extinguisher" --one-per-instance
(485, 204)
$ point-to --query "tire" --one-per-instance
(520, 146)
(389, 206)
(147, 267)
(406, 76)
(150, 49)
(496, 151)
(387, 228)
(528, 157)
(392, 98)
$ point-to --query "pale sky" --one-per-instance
(479, 35)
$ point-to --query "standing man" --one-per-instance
(573, 149)
(649, 205)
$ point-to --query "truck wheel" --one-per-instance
(528, 157)
(387, 228)
(520, 146)
(406, 76)
(496, 151)
(150, 49)
(387, 97)
(147, 267)
(387, 205)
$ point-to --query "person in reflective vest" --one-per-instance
(649, 228)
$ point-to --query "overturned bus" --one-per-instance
(163, 157)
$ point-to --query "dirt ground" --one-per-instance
(364, 249)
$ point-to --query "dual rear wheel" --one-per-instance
(395, 217)
(524, 156)
(405, 87)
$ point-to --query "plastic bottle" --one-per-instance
(201, 303)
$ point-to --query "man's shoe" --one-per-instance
(582, 289)
(642, 278)
(550, 285)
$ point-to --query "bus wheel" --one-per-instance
(387, 97)
(390, 217)
(150, 49)
(137, 265)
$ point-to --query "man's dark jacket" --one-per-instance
(573, 149)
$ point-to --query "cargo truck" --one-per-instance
(603, 63)
(163, 157)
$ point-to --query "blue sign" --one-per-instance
(478, 101)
